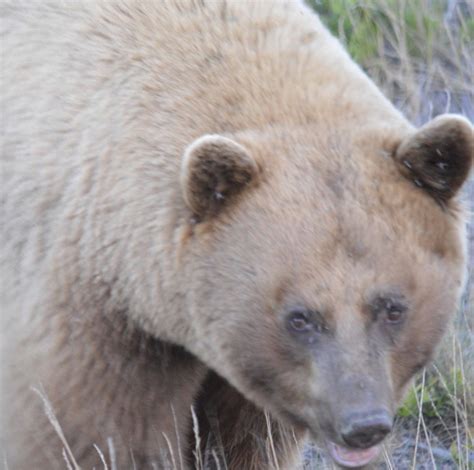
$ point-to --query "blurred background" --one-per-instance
(421, 54)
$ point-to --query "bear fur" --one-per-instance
(178, 179)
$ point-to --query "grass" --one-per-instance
(417, 51)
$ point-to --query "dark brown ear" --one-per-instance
(439, 156)
(214, 170)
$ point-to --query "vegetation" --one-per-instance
(418, 51)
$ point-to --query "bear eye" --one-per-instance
(391, 309)
(394, 314)
(299, 322)
(302, 321)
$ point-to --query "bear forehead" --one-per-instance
(370, 237)
(357, 196)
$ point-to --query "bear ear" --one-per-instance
(214, 170)
(438, 157)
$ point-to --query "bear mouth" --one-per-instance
(352, 458)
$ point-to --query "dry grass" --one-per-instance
(68, 456)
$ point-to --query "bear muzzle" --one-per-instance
(360, 433)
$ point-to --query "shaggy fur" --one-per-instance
(147, 269)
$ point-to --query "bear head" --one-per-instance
(325, 270)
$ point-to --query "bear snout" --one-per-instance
(362, 430)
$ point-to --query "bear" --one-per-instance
(218, 238)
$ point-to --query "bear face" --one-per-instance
(324, 320)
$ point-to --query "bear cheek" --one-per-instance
(413, 352)
(427, 322)
(404, 368)
(269, 365)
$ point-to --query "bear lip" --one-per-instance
(352, 458)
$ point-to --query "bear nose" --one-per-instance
(363, 430)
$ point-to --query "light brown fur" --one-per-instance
(119, 299)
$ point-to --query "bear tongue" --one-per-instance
(352, 458)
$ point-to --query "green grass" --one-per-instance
(418, 51)
(368, 27)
